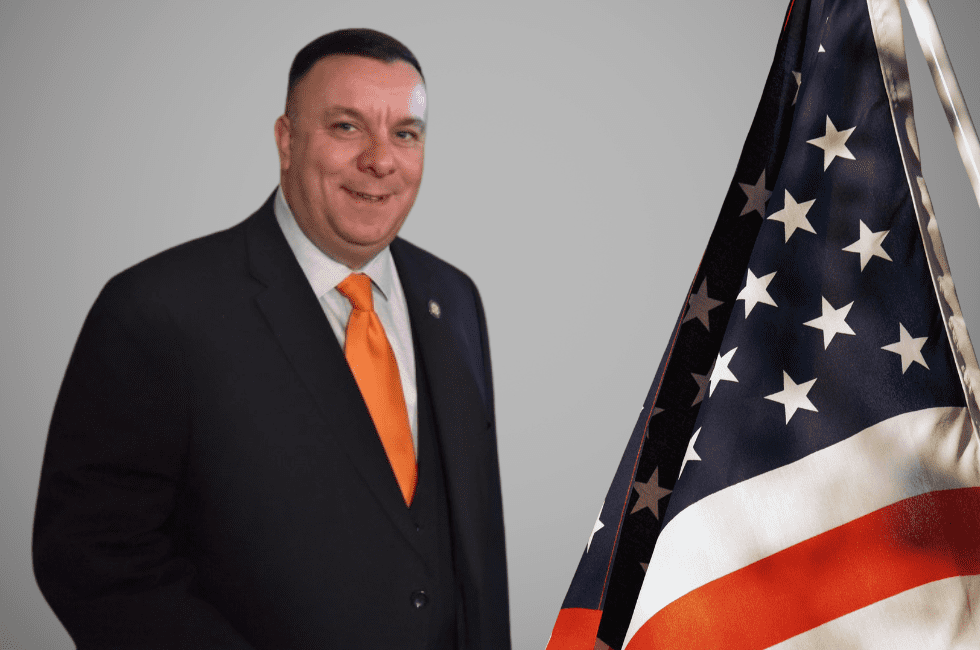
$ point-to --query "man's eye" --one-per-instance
(344, 127)
(407, 135)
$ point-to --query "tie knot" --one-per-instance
(356, 287)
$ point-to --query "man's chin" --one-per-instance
(368, 235)
(360, 251)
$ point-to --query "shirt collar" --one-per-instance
(323, 272)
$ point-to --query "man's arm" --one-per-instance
(495, 632)
(107, 543)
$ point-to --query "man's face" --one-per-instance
(351, 153)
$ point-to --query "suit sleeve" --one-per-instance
(495, 630)
(107, 543)
(485, 351)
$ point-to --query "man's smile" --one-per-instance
(370, 198)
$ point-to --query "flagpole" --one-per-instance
(952, 100)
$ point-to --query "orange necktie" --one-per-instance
(376, 371)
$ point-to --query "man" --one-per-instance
(246, 452)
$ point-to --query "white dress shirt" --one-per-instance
(324, 274)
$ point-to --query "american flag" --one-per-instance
(805, 472)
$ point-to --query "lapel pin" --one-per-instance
(434, 309)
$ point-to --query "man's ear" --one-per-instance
(282, 131)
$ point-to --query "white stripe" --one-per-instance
(930, 617)
(904, 456)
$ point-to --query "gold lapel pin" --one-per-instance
(434, 309)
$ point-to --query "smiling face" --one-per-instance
(351, 148)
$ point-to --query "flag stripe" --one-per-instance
(902, 457)
(929, 617)
(575, 629)
(907, 544)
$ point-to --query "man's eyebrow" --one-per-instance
(417, 122)
(343, 110)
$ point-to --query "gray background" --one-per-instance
(577, 159)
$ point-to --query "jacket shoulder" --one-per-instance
(185, 262)
(189, 271)
(430, 265)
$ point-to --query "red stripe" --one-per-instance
(789, 12)
(905, 545)
(575, 629)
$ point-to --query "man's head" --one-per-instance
(352, 141)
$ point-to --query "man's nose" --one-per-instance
(377, 157)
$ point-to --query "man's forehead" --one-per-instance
(343, 77)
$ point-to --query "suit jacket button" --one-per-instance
(419, 599)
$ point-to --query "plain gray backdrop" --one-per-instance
(578, 154)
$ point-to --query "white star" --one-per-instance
(831, 321)
(833, 144)
(793, 396)
(720, 371)
(690, 454)
(799, 83)
(595, 529)
(755, 291)
(908, 347)
(793, 215)
(868, 245)
(757, 195)
(699, 304)
(821, 50)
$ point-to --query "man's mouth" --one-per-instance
(369, 198)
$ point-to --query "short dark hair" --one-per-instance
(357, 41)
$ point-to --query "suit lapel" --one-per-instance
(297, 320)
(460, 415)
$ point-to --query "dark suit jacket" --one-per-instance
(212, 477)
